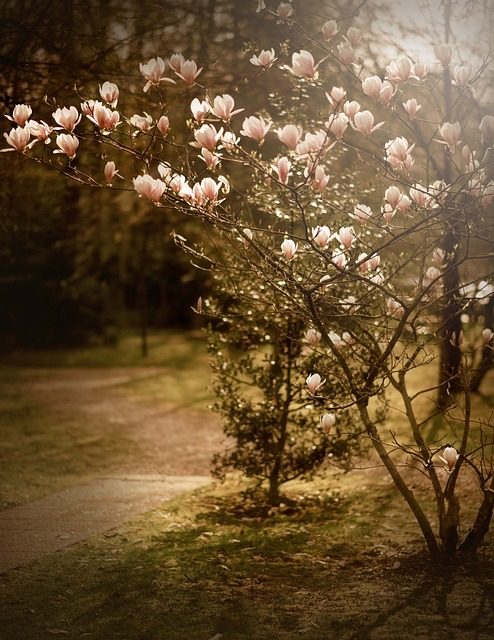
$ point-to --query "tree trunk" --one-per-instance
(477, 533)
(450, 353)
(449, 525)
(487, 358)
(400, 483)
(274, 489)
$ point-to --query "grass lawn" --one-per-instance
(341, 559)
(329, 564)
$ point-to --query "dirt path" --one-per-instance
(145, 453)
(159, 438)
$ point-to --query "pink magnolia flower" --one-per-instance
(395, 309)
(212, 159)
(449, 458)
(399, 70)
(487, 335)
(67, 118)
(223, 107)
(207, 136)
(109, 93)
(312, 337)
(404, 204)
(346, 237)
(364, 123)
(398, 153)
(200, 109)
(371, 86)
(104, 118)
(67, 144)
(327, 422)
(110, 172)
(153, 71)
(163, 125)
(419, 70)
(321, 235)
(378, 89)
(149, 187)
(438, 191)
(462, 74)
(324, 281)
(247, 236)
(177, 182)
(443, 53)
(486, 128)
(143, 123)
(255, 128)
(194, 196)
(438, 256)
(289, 248)
(18, 139)
(290, 135)
(346, 53)
(229, 141)
(303, 65)
(314, 145)
(282, 168)
(351, 109)
(176, 61)
(189, 72)
(361, 213)
(353, 35)
(432, 274)
(336, 96)
(210, 188)
(314, 382)
(20, 114)
(40, 130)
(319, 178)
(450, 132)
(87, 107)
(264, 59)
(339, 259)
(369, 264)
(388, 212)
(329, 29)
(393, 195)
(284, 11)
(411, 107)
(338, 124)
(420, 195)
(386, 93)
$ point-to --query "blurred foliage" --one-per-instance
(79, 264)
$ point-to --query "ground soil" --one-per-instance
(363, 595)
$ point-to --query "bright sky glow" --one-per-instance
(423, 26)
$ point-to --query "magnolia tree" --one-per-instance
(264, 387)
(370, 281)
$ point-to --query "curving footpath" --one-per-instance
(54, 522)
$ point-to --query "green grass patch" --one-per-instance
(45, 448)
(165, 348)
(326, 564)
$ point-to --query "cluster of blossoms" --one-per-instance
(301, 167)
